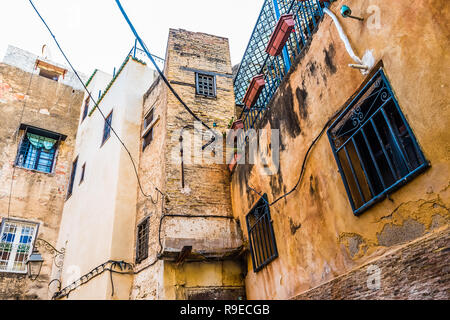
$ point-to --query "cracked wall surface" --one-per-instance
(318, 236)
(206, 189)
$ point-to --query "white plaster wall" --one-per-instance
(26, 61)
(99, 219)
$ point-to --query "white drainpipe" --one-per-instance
(364, 67)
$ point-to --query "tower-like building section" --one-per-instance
(195, 244)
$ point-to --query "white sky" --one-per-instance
(94, 34)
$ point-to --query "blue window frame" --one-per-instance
(37, 152)
(107, 128)
(263, 246)
(375, 149)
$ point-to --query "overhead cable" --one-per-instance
(101, 112)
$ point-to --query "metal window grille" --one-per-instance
(375, 149)
(33, 158)
(142, 241)
(72, 178)
(107, 128)
(263, 246)
(206, 85)
(16, 245)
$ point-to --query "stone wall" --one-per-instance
(36, 197)
(318, 236)
(405, 273)
(98, 220)
(206, 189)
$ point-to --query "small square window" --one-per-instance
(16, 245)
(263, 245)
(142, 241)
(107, 128)
(375, 149)
(206, 85)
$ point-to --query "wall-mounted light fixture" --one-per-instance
(34, 264)
(35, 261)
(347, 13)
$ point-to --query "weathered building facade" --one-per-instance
(194, 240)
(40, 112)
(99, 214)
(340, 189)
(170, 234)
(369, 215)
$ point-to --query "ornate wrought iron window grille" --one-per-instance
(205, 85)
(375, 148)
(142, 241)
(261, 236)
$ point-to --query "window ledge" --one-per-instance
(50, 174)
(206, 97)
(13, 274)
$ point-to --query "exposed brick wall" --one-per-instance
(418, 270)
(207, 188)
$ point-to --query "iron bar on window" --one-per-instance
(374, 146)
(263, 246)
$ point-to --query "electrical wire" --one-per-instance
(305, 160)
(161, 74)
(101, 112)
(95, 272)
